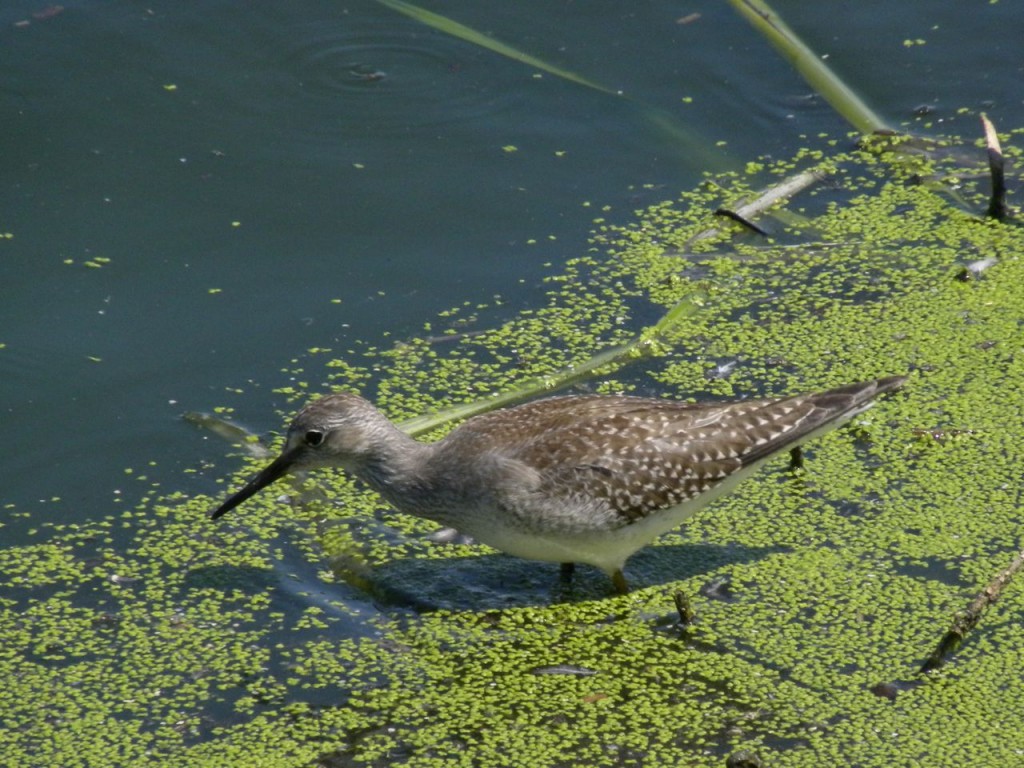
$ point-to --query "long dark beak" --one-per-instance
(274, 471)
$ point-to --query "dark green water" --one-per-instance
(231, 169)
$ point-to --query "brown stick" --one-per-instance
(997, 202)
(967, 620)
(787, 188)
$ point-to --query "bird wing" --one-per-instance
(634, 457)
(628, 457)
(646, 460)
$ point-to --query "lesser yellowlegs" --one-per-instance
(588, 479)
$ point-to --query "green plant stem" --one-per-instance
(645, 343)
(470, 35)
(810, 66)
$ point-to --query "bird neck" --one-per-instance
(393, 464)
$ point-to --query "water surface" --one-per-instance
(199, 193)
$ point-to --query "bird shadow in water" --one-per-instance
(484, 580)
(495, 581)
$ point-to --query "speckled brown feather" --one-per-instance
(642, 455)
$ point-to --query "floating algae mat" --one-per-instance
(338, 634)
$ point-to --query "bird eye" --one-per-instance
(314, 438)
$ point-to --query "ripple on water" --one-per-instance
(361, 77)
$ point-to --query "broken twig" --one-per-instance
(967, 620)
(997, 202)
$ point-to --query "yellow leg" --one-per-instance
(619, 581)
